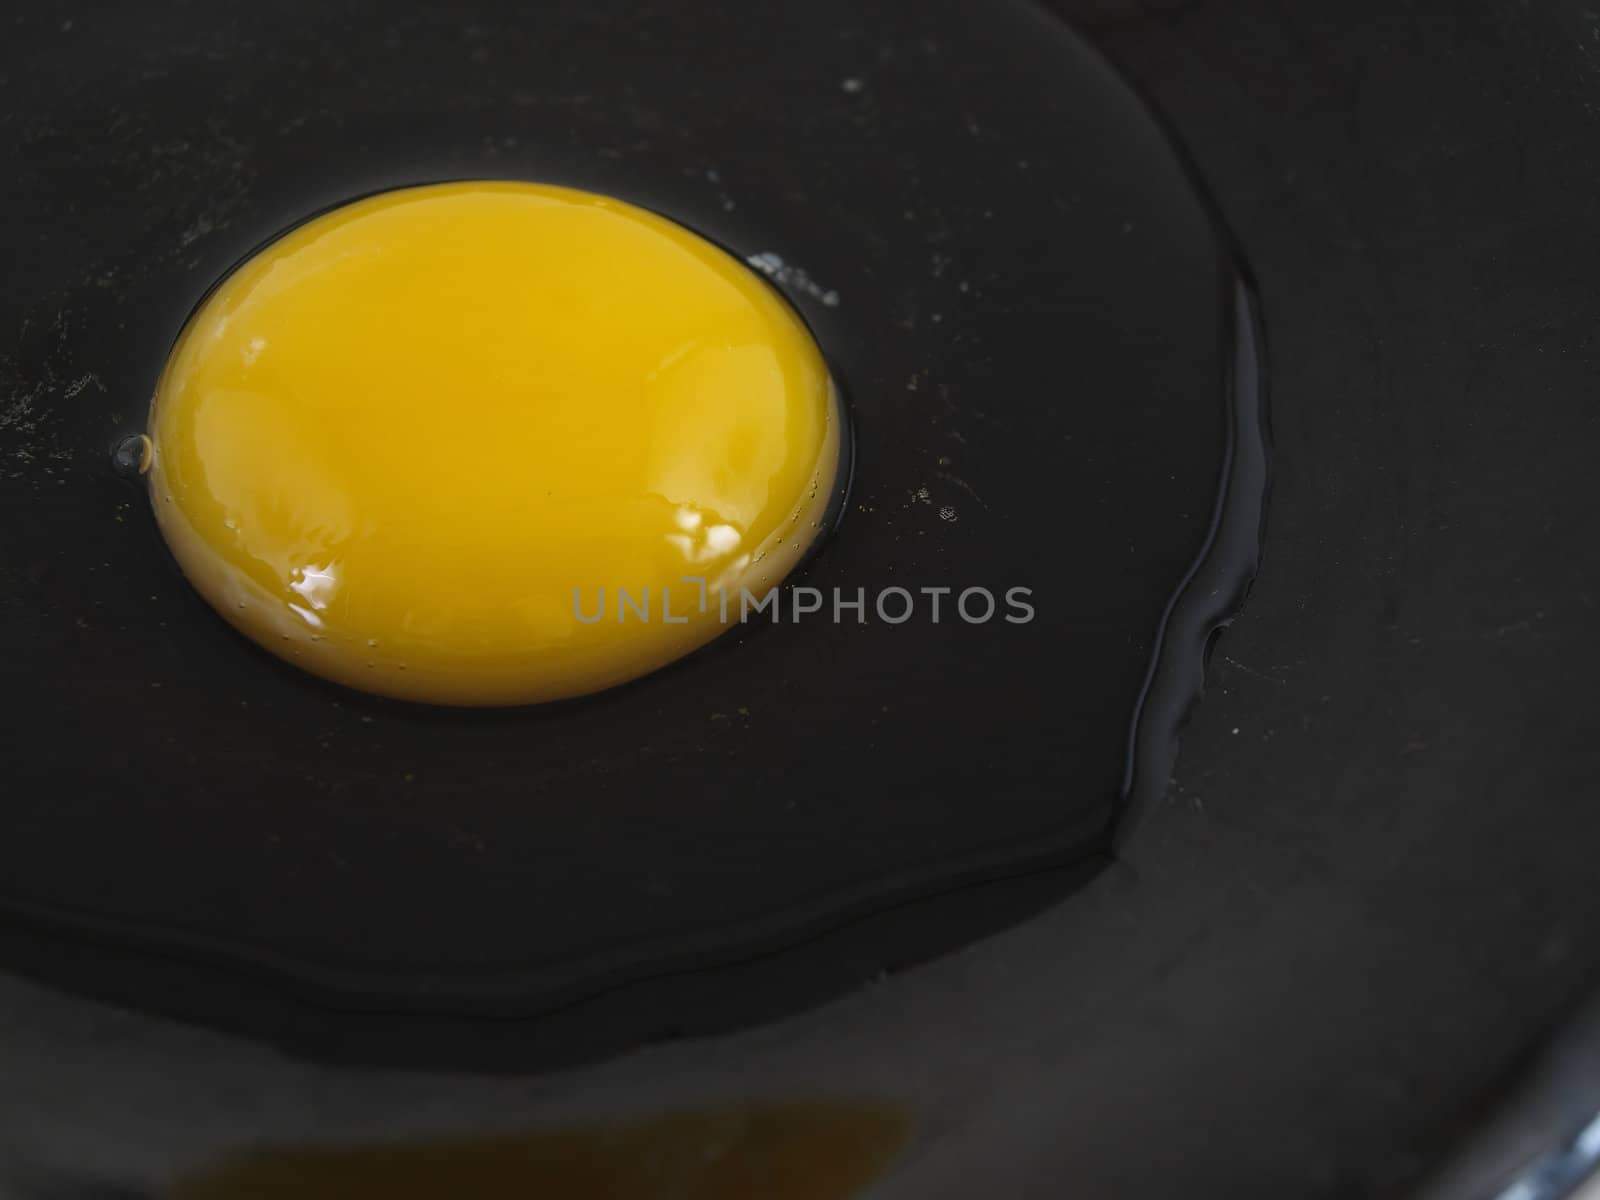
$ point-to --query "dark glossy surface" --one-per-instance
(1035, 321)
(1368, 893)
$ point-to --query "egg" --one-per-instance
(490, 443)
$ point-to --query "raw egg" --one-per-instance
(490, 443)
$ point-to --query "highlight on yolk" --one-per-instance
(416, 444)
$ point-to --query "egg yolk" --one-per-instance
(490, 443)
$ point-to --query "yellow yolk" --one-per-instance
(418, 443)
